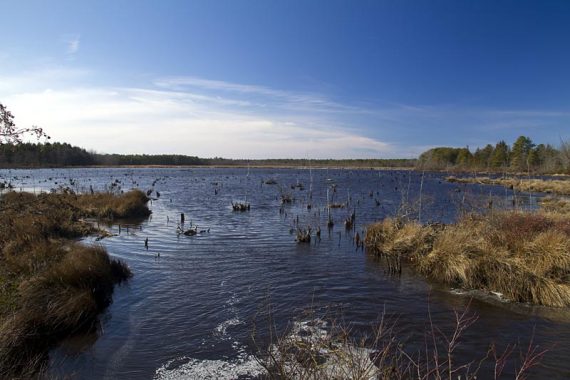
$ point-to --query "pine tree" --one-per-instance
(521, 150)
(500, 157)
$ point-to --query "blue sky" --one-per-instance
(304, 79)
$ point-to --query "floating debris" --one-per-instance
(298, 186)
(286, 198)
(303, 235)
(191, 231)
(239, 206)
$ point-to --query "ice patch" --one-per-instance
(247, 366)
(221, 329)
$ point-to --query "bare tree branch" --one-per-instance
(10, 134)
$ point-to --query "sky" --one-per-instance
(287, 79)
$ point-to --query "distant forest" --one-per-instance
(30, 155)
(522, 156)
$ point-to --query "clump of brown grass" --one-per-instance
(522, 255)
(132, 204)
(60, 300)
(555, 204)
(51, 287)
(395, 237)
(556, 186)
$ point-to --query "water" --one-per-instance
(190, 312)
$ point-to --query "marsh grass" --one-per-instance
(555, 186)
(523, 256)
(555, 204)
(107, 205)
(50, 285)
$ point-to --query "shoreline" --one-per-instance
(451, 172)
(320, 167)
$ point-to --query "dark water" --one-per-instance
(190, 312)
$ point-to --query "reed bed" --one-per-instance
(50, 285)
(521, 256)
(554, 186)
(555, 205)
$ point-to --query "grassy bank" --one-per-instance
(555, 204)
(50, 285)
(555, 186)
(523, 256)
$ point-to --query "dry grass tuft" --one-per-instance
(51, 287)
(555, 186)
(555, 204)
(524, 256)
(63, 299)
(107, 205)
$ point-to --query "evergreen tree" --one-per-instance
(520, 153)
(500, 157)
(464, 157)
(482, 157)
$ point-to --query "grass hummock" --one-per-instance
(51, 286)
(555, 186)
(521, 256)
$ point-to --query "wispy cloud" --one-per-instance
(266, 96)
(197, 116)
(72, 42)
(161, 120)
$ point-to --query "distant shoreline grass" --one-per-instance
(521, 256)
(555, 186)
(51, 286)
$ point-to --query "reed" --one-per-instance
(523, 256)
(555, 186)
(555, 204)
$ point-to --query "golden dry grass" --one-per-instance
(555, 186)
(555, 205)
(51, 286)
(524, 256)
(105, 205)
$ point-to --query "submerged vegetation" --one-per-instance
(520, 256)
(50, 285)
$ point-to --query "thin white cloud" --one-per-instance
(32, 80)
(72, 42)
(138, 120)
(293, 100)
(195, 116)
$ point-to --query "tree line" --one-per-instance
(64, 155)
(522, 156)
